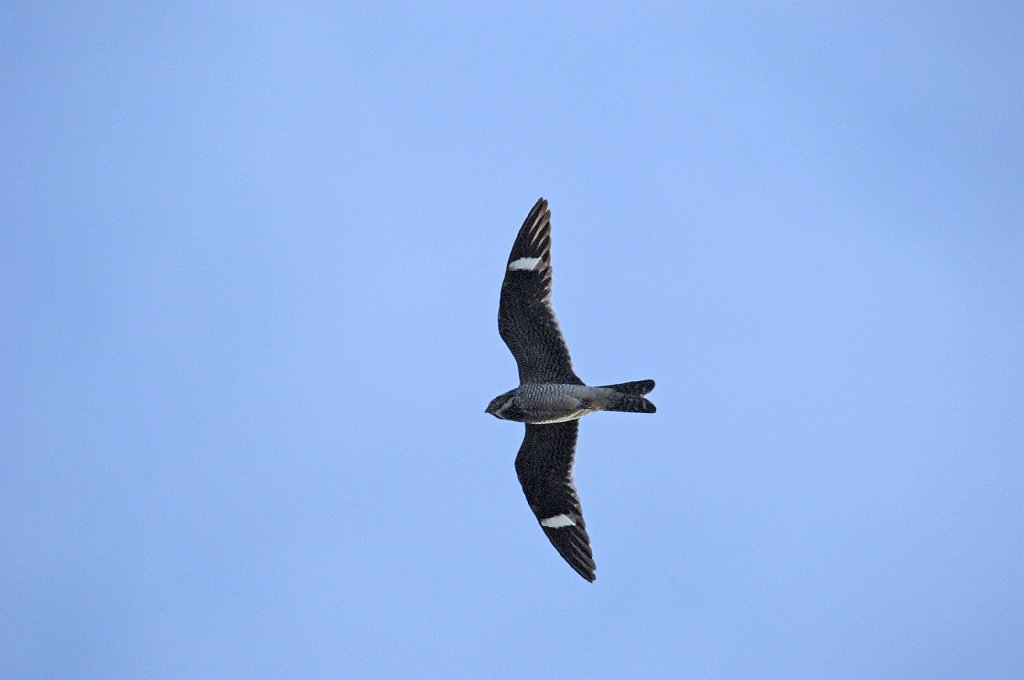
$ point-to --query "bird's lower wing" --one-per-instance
(544, 466)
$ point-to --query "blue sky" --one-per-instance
(249, 274)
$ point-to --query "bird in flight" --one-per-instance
(550, 398)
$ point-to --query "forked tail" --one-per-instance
(631, 397)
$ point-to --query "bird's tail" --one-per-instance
(630, 397)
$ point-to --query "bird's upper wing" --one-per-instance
(526, 319)
(544, 466)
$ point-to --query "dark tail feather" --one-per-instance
(631, 397)
(638, 388)
(632, 404)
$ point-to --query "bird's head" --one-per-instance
(503, 406)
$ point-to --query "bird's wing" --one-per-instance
(544, 466)
(526, 319)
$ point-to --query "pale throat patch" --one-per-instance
(524, 263)
(558, 522)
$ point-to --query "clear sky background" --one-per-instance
(249, 270)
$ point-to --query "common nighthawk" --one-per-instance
(550, 398)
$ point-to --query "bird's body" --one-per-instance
(546, 403)
(550, 398)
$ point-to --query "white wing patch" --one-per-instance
(524, 263)
(558, 522)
